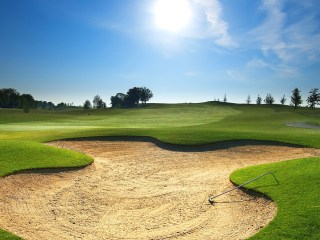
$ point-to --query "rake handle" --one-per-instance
(236, 187)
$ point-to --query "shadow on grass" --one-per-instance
(47, 171)
(187, 148)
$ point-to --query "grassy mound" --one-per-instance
(296, 196)
(18, 155)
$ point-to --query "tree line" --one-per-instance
(131, 99)
(295, 99)
(11, 98)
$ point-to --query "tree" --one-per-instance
(259, 100)
(95, 101)
(283, 100)
(87, 104)
(44, 105)
(132, 98)
(225, 98)
(269, 99)
(98, 102)
(248, 100)
(102, 104)
(117, 101)
(145, 95)
(296, 98)
(313, 98)
(27, 102)
(61, 106)
(9, 98)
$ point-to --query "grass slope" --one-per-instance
(21, 134)
(296, 196)
(21, 155)
(8, 236)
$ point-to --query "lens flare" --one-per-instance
(172, 15)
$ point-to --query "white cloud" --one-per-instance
(291, 41)
(280, 69)
(257, 63)
(217, 26)
(269, 33)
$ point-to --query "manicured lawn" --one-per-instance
(8, 236)
(20, 155)
(297, 197)
(21, 137)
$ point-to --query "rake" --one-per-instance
(211, 198)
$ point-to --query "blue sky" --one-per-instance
(71, 50)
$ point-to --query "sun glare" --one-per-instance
(172, 15)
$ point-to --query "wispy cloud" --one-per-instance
(217, 26)
(281, 69)
(257, 63)
(290, 41)
(236, 75)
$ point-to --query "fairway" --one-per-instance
(175, 115)
(152, 191)
(136, 190)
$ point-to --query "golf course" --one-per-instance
(147, 172)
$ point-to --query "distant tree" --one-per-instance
(132, 98)
(44, 105)
(98, 102)
(27, 102)
(9, 98)
(121, 96)
(50, 105)
(61, 106)
(145, 94)
(225, 98)
(296, 98)
(117, 101)
(259, 100)
(87, 104)
(283, 100)
(269, 99)
(313, 98)
(248, 100)
(103, 104)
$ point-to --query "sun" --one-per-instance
(172, 15)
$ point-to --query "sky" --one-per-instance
(183, 50)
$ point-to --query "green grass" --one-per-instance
(297, 197)
(20, 155)
(22, 135)
(8, 236)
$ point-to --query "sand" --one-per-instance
(137, 190)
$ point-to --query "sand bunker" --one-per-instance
(136, 190)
